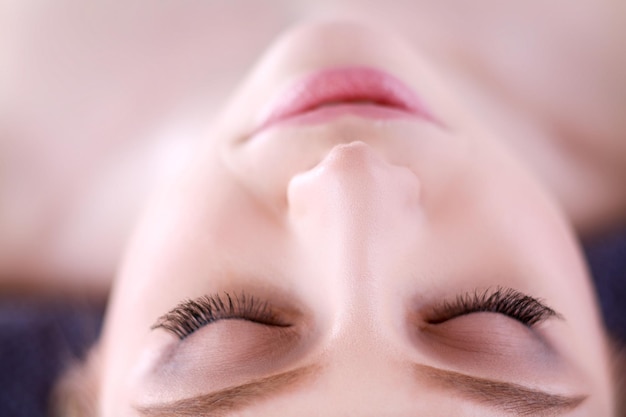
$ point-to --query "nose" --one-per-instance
(356, 211)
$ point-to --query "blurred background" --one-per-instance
(101, 102)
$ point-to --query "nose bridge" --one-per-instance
(355, 214)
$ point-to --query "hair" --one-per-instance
(75, 394)
(618, 367)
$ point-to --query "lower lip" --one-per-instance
(331, 93)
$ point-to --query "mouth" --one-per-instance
(360, 91)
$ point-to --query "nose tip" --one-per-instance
(354, 182)
(355, 157)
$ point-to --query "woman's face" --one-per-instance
(365, 259)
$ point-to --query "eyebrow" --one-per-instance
(508, 397)
(222, 402)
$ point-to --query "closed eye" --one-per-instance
(526, 309)
(191, 315)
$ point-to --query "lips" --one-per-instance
(330, 93)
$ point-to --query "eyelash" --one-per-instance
(512, 303)
(191, 315)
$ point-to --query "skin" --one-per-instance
(354, 229)
(100, 106)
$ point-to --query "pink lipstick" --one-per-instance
(330, 93)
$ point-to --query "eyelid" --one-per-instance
(191, 315)
(507, 301)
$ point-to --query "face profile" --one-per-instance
(351, 240)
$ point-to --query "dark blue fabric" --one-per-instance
(607, 262)
(38, 340)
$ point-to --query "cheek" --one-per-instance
(504, 228)
(494, 204)
(265, 167)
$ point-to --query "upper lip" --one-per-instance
(344, 85)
